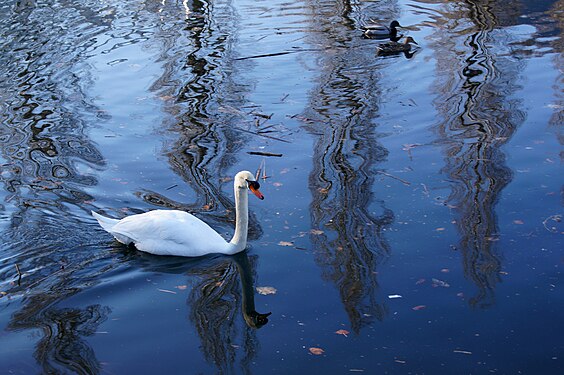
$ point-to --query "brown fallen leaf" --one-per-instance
(343, 332)
(316, 351)
(316, 232)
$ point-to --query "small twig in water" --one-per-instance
(394, 177)
(19, 274)
(261, 153)
(268, 117)
(263, 135)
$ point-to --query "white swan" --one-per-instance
(173, 232)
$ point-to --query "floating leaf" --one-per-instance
(266, 290)
(420, 281)
(518, 222)
(343, 332)
(316, 351)
(277, 184)
(445, 270)
(316, 232)
(418, 307)
(181, 287)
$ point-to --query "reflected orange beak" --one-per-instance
(254, 187)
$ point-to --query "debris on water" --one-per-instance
(437, 282)
(418, 307)
(316, 351)
(265, 116)
(394, 296)
(264, 153)
(343, 332)
(285, 243)
(420, 281)
(166, 291)
(555, 219)
(462, 352)
(266, 290)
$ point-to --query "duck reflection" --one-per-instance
(479, 117)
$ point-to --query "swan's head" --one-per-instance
(246, 179)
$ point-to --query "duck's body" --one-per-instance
(173, 232)
(375, 31)
(395, 47)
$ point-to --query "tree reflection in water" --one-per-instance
(343, 105)
(62, 346)
(475, 86)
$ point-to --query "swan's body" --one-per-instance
(375, 31)
(395, 47)
(173, 232)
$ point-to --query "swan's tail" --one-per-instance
(105, 222)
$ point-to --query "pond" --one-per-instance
(412, 220)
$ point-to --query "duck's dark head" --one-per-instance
(394, 24)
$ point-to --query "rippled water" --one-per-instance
(412, 225)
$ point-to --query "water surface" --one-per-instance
(412, 225)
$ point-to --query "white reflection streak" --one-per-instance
(186, 8)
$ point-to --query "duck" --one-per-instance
(376, 31)
(178, 233)
(395, 47)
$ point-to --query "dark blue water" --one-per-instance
(413, 224)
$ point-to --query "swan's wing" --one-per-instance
(170, 232)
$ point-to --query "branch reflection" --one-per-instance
(343, 105)
(62, 346)
(475, 86)
(202, 140)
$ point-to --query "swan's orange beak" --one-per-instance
(254, 187)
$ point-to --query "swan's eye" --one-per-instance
(253, 184)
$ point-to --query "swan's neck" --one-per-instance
(239, 240)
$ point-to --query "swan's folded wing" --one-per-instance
(169, 232)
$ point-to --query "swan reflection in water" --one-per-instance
(217, 284)
(215, 300)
